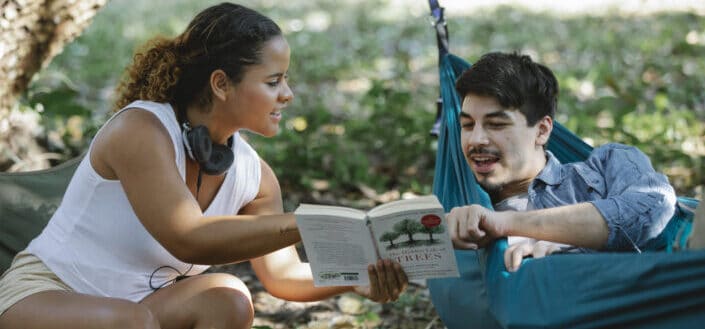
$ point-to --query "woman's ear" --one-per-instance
(219, 83)
(545, 126)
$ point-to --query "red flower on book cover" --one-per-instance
(430, 221)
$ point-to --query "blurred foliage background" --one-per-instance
(366, 81)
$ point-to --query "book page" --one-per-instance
(423, 202)
(338, 244)
(417, 238)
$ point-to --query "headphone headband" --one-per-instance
(185, 128)
(213, 159)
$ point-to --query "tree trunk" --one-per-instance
(32, 32)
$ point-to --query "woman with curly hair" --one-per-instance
(168, 187)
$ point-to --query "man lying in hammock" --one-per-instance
(613, 201)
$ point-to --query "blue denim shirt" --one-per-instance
(635, 200)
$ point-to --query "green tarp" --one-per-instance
(27, 201)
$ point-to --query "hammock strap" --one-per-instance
(438, 22)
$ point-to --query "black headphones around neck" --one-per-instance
(213, 159)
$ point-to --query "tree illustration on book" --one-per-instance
(429, 224)
(390, 237)
(408, 227)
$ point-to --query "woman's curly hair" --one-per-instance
(152, 75)
(177, 71)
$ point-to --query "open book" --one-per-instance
(341, 242)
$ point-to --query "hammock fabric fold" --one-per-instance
(654, 289)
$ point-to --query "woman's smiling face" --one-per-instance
(257, 100)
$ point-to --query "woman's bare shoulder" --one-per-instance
(133, 135)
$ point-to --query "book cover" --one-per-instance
(417, 237)
(340, 242)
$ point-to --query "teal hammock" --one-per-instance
(654, 289)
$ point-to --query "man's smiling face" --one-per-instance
(504, 153)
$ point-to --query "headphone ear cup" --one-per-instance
(200, 141)
(221, 159)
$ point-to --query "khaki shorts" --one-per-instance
(26, 276)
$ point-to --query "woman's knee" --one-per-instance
(232, 301)
(224, 280)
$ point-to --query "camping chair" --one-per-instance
(27, 201)
(652, 289)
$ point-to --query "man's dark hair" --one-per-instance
(515, 81)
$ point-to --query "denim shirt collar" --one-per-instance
(551, 173)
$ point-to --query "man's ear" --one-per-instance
(545, 126)
(219, 83)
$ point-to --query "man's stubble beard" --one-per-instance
(494, 190)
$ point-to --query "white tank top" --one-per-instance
(96, 244)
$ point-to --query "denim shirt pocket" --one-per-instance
(594, 180)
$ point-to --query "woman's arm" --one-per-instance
(136, 149)
(281, 272)
(285, 276)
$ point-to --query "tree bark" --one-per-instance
(32, 32)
